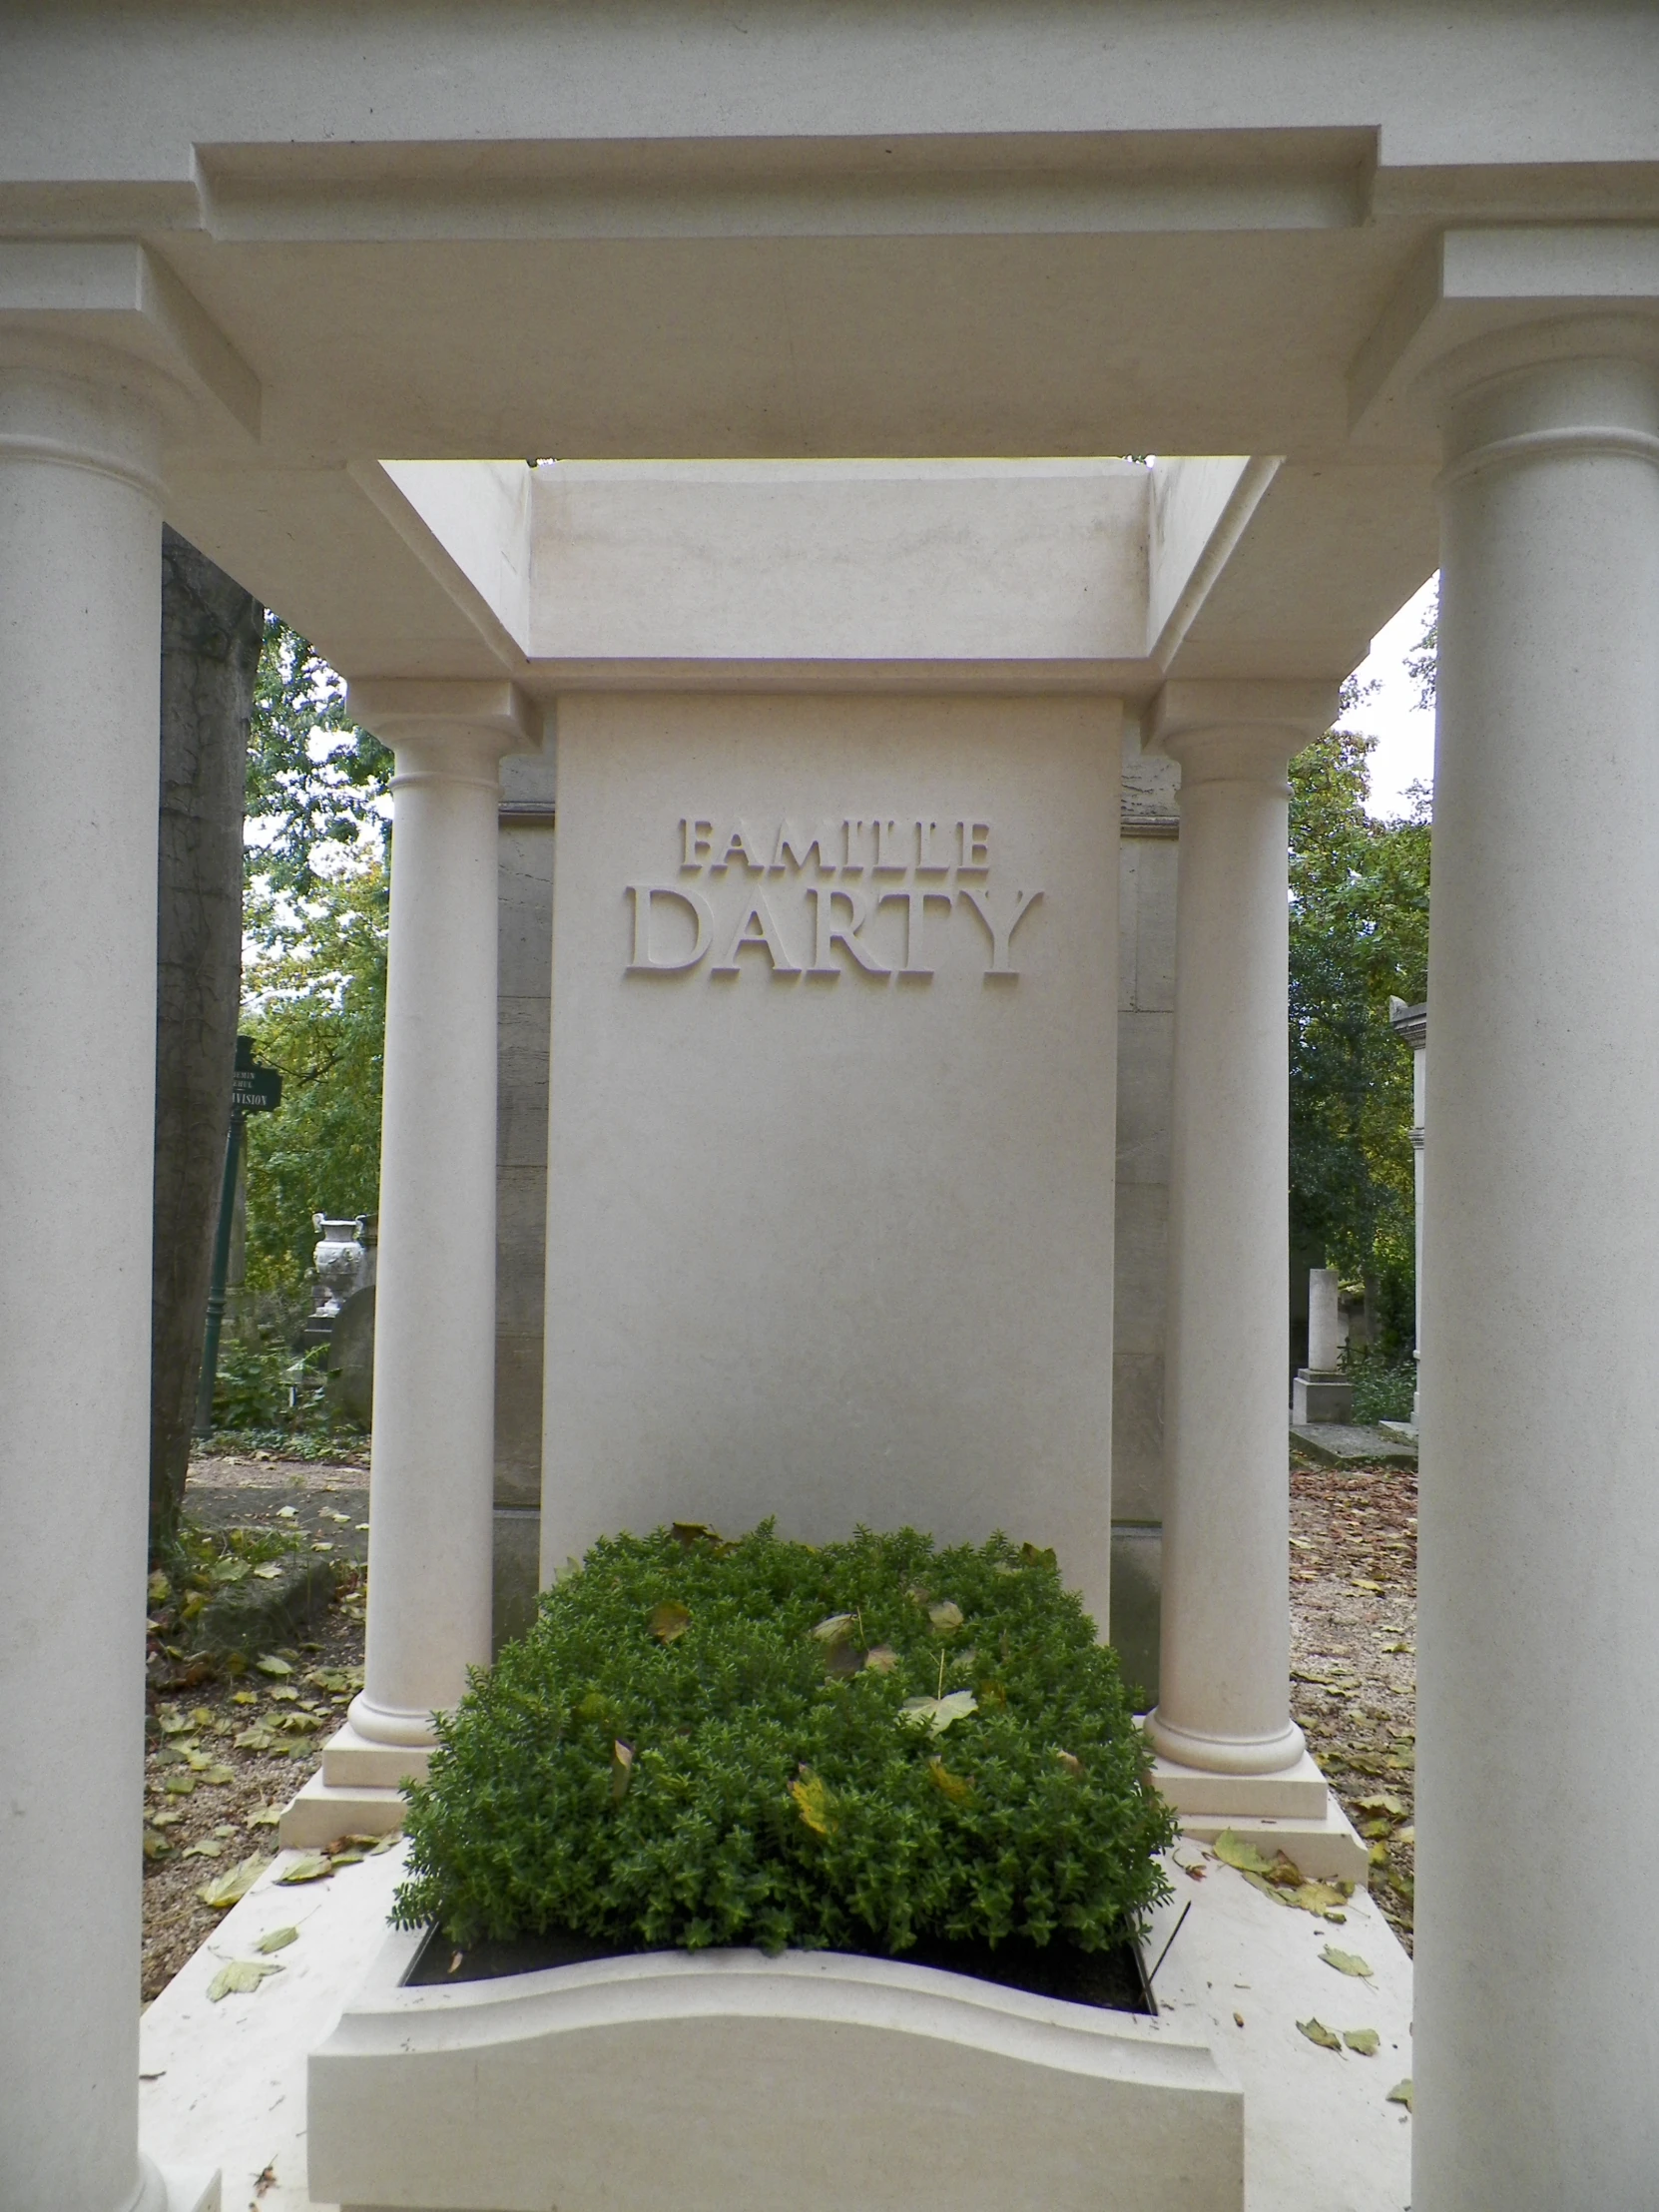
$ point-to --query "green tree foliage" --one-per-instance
(862, 1746)
(317, 783)
(315, 955)
(1359, 936)
(1424, 666)
(314, 990)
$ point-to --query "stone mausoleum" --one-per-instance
(805, 1091)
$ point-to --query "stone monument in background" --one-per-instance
(1321, 1390)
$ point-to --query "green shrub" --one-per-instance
(707, 1743)
(1384, 1390)
(270, 1397)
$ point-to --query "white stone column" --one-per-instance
(1538, 1642)
(1410, 1023)
(80, 645)
(1222, 1724)
(432, 1470)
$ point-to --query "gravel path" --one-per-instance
(1354, 1611)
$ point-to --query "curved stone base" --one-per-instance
(725, 2081)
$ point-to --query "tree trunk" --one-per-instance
(211, 631)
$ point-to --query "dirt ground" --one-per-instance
(1354, 1613)
(1354, 1687)
(209, 1801)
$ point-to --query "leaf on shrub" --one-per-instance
(1037, 1555)
(881, 1658)
(812, 1800)
(842, 1660)
(992, 1693)
(240, 1976)
(957, 1787)
(1346, 1961)
(1316, 2033)
(946, 1617)
(622, 1771)
(310, 1865)
(277, 1938)
(835, 1629)
(688, 1532)
(1401, 2093)
(1364, 2041)
(268, 1663)
(669, 1620)
(232, 1888)
(937, 1713)
(1070, 1761)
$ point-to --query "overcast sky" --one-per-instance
(1405, 730)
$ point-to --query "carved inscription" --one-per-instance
(808, 898)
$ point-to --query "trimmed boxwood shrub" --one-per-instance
(759, 1742)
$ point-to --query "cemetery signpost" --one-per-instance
(253, 1090)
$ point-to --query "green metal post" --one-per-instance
(222, 1268)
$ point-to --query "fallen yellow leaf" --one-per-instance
(240, 1976)
(1346, 1961)
(232, 1888)
(812, 1802)
(310, 1865)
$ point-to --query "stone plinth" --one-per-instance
(1317, 1396)
(682, 2083)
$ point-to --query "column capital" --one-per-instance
(1237, 727)
(108, 312)
(434, 724)
(1477, 305)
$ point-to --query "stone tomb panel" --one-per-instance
(830, 1138)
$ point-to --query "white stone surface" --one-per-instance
(226, 2081)
(323, 1811)
(890, 2085)
(431, 1532)
(1299, 1788)
(80, 628)
(1224, 1696)
(834, 1244)
(1319, 2134)
(1538, 1634)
